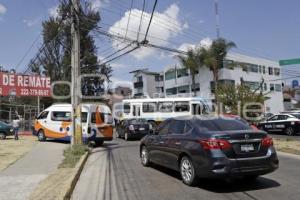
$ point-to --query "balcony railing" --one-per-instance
(138, 84)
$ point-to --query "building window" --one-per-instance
(149, 107)
(277, 71)
(252, 85)
(259, 68)
(226, 82)
(197, 87)
(139, 90)
(182, 72)
(253, 68)
(170, 74)
(264, 69)
(270, 70)
(277, 87)
(212, 87)
(165, 106)
(265, 87)
(229, 64)
(171, 91)
(139, 79)
(271, 87)
(184, 89)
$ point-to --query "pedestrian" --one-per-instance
(16, 129)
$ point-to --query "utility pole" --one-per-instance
(75, 60)
(217, 18)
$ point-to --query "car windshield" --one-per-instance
(222, 125)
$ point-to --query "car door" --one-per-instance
(156, 142)
(270, 124)
(281, 122)
(172, 143)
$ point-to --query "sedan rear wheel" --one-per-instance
(289, 131)
(187, 171)
(145, 157)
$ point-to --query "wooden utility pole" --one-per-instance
(75, 61)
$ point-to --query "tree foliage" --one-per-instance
(233, 98)
(191, 61)
(54, 59)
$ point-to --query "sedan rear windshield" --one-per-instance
(222, 125)
(138, 121)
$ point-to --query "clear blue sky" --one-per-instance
(269, 28)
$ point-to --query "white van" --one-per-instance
(55, 122)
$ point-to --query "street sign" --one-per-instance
(289, 61)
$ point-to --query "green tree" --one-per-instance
(54, 58)
(233, 98)
(213, 58)
(191, 62)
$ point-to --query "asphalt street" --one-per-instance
(114, 172)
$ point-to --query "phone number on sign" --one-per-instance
(34, 92)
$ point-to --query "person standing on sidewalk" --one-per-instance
(16, 124)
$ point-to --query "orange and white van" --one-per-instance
(56, 122)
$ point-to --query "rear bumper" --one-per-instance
(137, 134)
(222, 167)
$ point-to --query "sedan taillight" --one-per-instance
(267, 141)
(215, 144)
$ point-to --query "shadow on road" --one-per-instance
(225, 186)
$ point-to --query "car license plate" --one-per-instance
(247, 147)
(142, 129)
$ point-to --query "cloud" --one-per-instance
(205, 42)
(53, 12)
(97, 4)
(165, 25)
(117, 66)
(2, 9)
(31, 22)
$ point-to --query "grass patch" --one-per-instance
(287, 145)
(72, 155)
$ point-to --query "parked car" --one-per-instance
(133, 128)
(287, 123)
(209, 147)
(5, 130)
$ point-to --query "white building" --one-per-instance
(176, 80)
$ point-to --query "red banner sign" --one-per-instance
(24, 85)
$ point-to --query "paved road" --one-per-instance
(19, 180)
(114, 172)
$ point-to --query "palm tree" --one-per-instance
(213, 58)
(191, 62)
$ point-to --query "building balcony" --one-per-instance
(138, 84)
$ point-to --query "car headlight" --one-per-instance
(11, 130)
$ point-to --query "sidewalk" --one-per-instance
(19, 180)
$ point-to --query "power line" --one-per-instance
(137, 38)
(154, 6)
(27, 52)
(129, 18)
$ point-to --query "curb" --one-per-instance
(79, 167)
